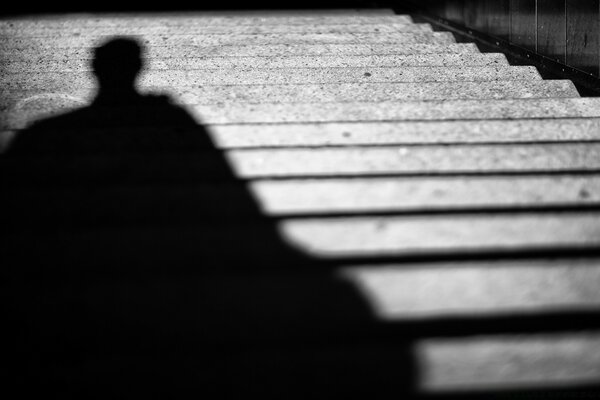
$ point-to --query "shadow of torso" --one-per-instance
(149, 252)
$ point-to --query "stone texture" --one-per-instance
(201, 19)
(322, 61)
(415, 160)
(414, 132)
(327, 93)
(398, 38)
(54, 81)
(42, 55)
(8, 32)
(500, 362)
(427, 291)
(408, 194)
(441, 234)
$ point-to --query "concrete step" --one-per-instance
(199, 19)
(345, 112)
(550, 363)
(393, 111)
(304, 162)
(41, 55)
(394, 194)
(8, 32)
(398, 38)
(427, 159)
(432, 159)
(324, 93)
(374, 92)
(295, 244)
(390, 133)
(412, 235)
(383, 133)
(397, 292)
(118, 205)
(65, 82)
(323, 61)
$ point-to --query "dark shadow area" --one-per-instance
(137, 264)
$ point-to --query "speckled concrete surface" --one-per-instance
(501, 362)
(55, 81)
(40, 55)
(8, 32)
(322, 61)
(355, 195)
(389, 287)
(344, 112)
(366, 161)
(390, 133)
(364, 236)
(405, 111)
(201, 19)
(333, 92)
(21, 44)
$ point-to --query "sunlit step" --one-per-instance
(65, 82)
(330, 196)
(40, 55)
(311, 93)
(200, 19)
(496, 363)
(15, 44)
(322, 61)
(8, 32)
(428, 235)
(257, 163)
(398, 133)
(472, 289)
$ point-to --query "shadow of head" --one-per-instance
(118, 62)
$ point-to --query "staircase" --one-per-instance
(326, 204)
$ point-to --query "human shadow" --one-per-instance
(143, 262)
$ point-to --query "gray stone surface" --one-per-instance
(493, 362)
(347, 112)
(65, 82)
(321, 61)
(386, 133)
(390, 111)
(355, 195)
(323, 93)
(8, 32)
(442, 234)
(200, 19)
(24, 44)
(425, 159)
(427, 291)
(41, 55)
